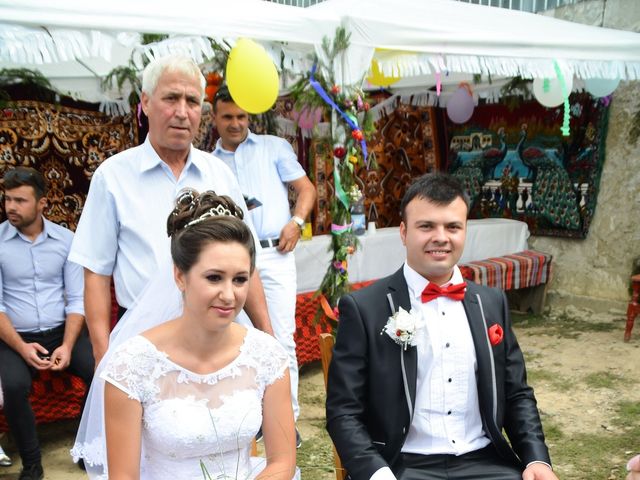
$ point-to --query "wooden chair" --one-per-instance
(326, 352)
(632, 310)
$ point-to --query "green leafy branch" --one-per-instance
(346, 154)
(43, 88)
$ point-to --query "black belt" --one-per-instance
(269, 242)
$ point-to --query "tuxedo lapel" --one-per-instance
(399, 293)
(484, 355)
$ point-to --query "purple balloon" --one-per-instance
(460, 106)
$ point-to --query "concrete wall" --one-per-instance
(594, 272)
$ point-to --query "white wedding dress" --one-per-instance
(187, 418)
(191, 421)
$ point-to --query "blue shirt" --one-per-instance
(123, 227)
(39, 286)
(263, 165)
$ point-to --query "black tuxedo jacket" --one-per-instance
(368, 414)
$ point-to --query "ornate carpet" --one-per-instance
(515, 163)
(66, 144)
(404, 146)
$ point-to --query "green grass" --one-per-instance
(315, 456)
(603, 380)
(595, 456)
(562, 326)
(539, 379)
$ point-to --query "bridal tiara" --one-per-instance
(216, 211)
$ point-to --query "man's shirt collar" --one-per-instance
(151, 159)
(251, 138)
(47, 229)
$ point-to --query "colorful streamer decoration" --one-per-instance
(340, 229)
(566, 129)
(340, 193)
(332, 313)
(351, 121)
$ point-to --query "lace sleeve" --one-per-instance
(271, 358)
(133, 368)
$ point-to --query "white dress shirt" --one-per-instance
(39, 286)
(264, 164)
(123, 226)
(447, 418)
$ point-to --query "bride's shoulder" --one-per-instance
(265, 352)
(135, 350)
(161, 333)
(259, 339)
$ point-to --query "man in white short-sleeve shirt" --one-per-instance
(122, 230)
(265, 167)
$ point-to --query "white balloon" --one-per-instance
(601, 87)
(553, 96)
(460, 106)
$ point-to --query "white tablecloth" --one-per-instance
(382, 253)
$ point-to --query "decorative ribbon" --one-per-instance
(340, 193)
(340, 229)
(566, 130)
(325, 96)
(438, 83)
(326, 308)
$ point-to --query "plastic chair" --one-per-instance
(326, 352)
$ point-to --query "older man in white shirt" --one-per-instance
(122, 230)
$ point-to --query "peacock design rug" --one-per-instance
(515, 163)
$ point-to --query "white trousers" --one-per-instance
(278, 275)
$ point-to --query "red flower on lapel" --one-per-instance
(495, 334)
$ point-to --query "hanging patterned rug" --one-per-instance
(66, 144)
(515, 163)
(404, 146)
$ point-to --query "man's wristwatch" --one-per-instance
(298, 221)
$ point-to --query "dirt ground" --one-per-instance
(556, 363)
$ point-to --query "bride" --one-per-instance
(185, 398)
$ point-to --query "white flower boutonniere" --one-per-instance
(402, 327)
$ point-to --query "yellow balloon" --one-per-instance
(378, 78)
(252, 77)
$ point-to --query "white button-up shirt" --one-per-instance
(39, 286)
(447, 412)
(123, 226)
(263, 165)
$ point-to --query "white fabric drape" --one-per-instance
(71, 40)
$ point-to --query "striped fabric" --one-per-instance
(510, 272)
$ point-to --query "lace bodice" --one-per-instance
(190, 418)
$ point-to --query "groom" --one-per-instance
(427, 395)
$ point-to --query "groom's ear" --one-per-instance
(403, 233)
(178, 275)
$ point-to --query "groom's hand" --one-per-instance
(538, 471)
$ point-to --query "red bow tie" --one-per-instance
(454, 292)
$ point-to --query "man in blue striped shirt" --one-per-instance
(41, 308)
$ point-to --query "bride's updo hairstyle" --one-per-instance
(200, 219)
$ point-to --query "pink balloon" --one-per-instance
(460, 106)
(307, 118)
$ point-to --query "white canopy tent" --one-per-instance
(424, 37)
(74, 42)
